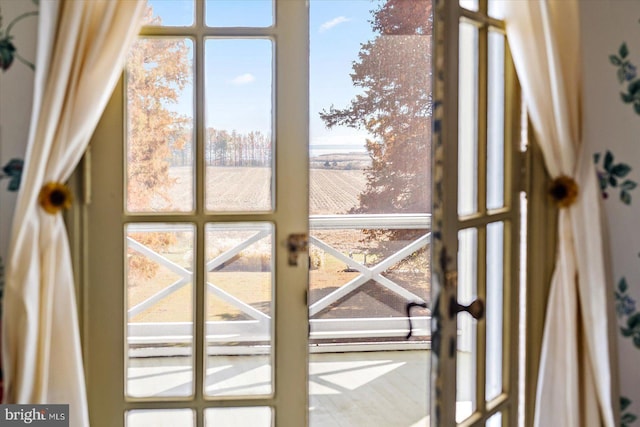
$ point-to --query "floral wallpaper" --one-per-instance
(611, 54)
(18, 29)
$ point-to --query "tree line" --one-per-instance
(224, 148)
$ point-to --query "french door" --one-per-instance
(150, 246)
(200, 242)
(478, 194)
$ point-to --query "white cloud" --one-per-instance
(244, 79)
(335, 21)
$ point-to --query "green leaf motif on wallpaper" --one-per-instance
(13, 171)
(626, 418)
(625, 305)
(612, 175)
(632, 329)
(627, 73)
(626, 310)
(8, 51)
(626, 70)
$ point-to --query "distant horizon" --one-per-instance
(242, 70)
(321, 149)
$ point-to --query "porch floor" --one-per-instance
(354, 389)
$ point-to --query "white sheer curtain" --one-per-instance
(81, 50)
(575, 377)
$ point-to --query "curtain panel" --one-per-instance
(575, 375)
(81, 51)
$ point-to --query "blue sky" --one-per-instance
(336, 29)
(238, 72)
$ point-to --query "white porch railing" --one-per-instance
(247, 331)
(258, 328)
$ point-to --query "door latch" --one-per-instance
(297, 243)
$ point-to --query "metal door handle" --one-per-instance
(296, 244)
(475, 309)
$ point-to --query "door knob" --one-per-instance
(475, 309)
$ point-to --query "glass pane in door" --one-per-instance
(159, 124)
(370, 124)
(251, 416)
(467, 326)
(495, 121)
(495, 420)
(159, 294)
(160, 418)
(496, 9)
(238, 139)
(170, 13)
(494, 309)
(469, 4)
(239, 306)
(468, 120)
(234, 13)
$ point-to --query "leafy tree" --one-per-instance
(158, 69)
(393, 71)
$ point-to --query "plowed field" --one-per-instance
(332, 191)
